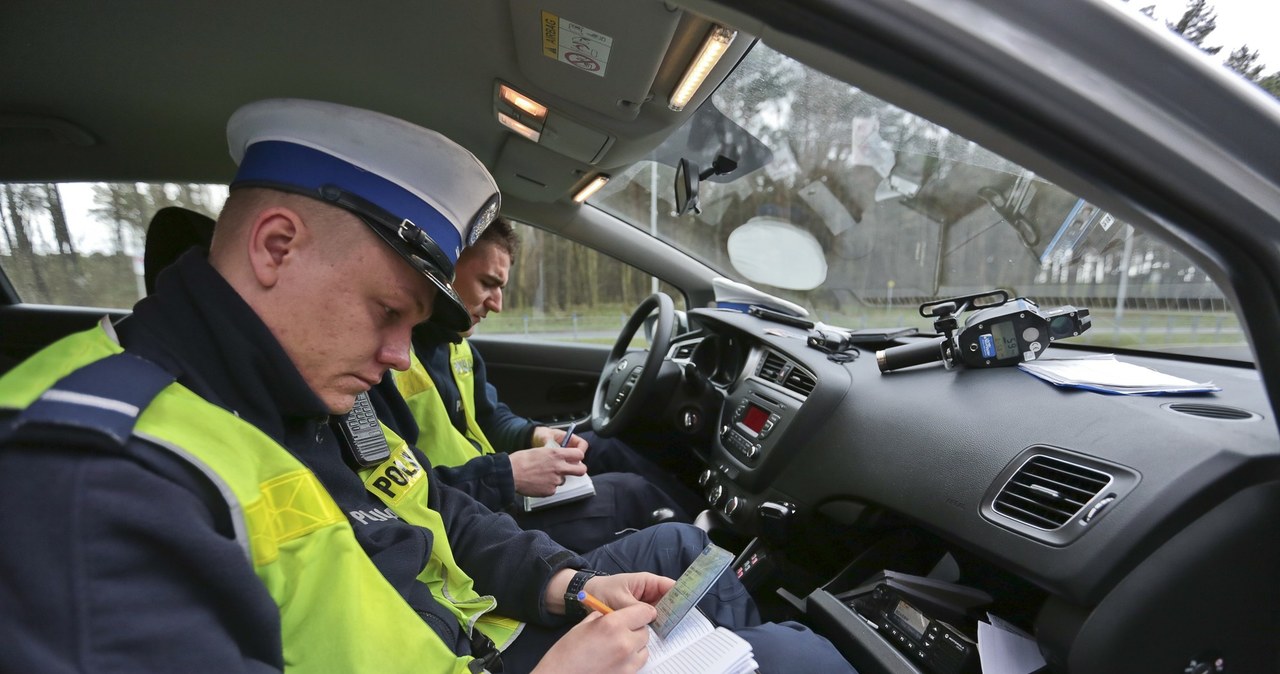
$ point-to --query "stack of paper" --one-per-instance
(1106, 374)
(1005, 649)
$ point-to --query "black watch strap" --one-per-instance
(572, 608)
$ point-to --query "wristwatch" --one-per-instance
(572, 608)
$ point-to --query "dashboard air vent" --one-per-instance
(1208, 411)
(684, 350)
(772, 367)
(1046, 493)
(786, 374)
(800, 381)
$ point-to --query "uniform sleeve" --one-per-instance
(502, 559)
(506, 430)
(487, 479)
(120, 560)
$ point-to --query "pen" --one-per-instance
(568, 434)
(593, 603)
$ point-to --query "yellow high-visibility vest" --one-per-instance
(338, 613)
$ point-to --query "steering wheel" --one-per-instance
(627, 378)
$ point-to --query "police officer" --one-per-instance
(473, 403)
(480, 446)
(177, 496)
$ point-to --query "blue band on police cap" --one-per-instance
(283, 163)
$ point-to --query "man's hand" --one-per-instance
(625, 589)
(617, 642)
(602, 643)
(617, 591)
(537, 471)
(544, 435)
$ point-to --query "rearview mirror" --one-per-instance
(687, 187)
(688, 177)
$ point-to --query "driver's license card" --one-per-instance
(690, 588)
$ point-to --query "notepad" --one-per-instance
(696, 646)
(575, 488)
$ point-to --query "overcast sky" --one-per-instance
(1240, 22)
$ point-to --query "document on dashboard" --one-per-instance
(1105, 374)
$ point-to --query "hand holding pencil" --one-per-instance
(592, 603)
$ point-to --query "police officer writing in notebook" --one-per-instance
(480, 446)
(178, 496)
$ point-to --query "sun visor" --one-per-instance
(574, 140)
(603, 56)
(534, 173)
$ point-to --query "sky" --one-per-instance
(1252, 22)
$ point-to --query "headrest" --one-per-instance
(172, 231)
(423, 194)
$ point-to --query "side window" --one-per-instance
(81, 244)
(558, 290)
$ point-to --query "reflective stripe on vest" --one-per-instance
(437, 437)
(300, 543)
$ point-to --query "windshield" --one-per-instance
(860, 211)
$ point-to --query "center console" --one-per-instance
(753, 419)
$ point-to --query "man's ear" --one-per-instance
(275, 237)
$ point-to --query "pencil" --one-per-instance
(593, 603)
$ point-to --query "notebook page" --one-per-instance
(721, 651)
(693, 627)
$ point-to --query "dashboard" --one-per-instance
(1072, 498)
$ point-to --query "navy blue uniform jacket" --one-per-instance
(121, 559)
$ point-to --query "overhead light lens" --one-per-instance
(515, 125)
(518, 100)
(713, 47)
(591, 188)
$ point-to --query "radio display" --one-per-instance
(754, 418)
(911, 618)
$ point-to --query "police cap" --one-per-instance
(423, 194)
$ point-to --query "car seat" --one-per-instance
(172, 231)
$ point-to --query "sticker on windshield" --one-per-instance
(575, 44)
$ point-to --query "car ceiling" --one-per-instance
(150, 86)
(142, 91)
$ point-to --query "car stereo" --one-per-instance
(749, 424)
